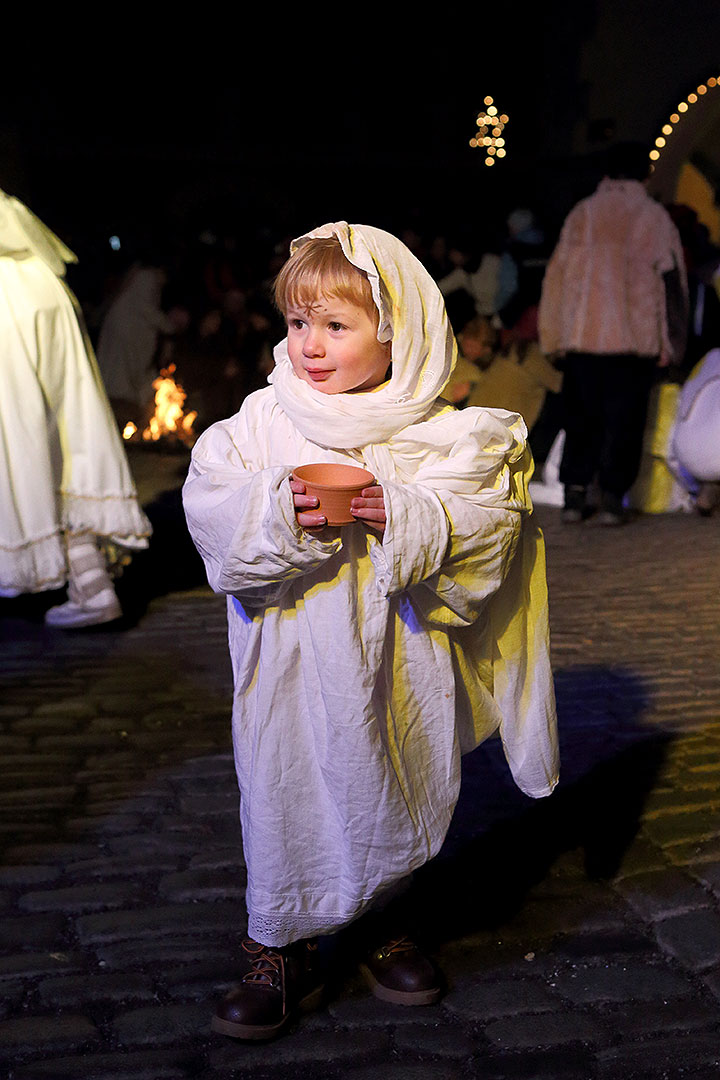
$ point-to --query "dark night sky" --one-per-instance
(282, 135)
(288, 126)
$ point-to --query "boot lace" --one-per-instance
(396, 945)
(265, 964)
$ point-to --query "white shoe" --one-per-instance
(70, 615)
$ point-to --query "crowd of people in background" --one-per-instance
(208, 310)
(604, 334)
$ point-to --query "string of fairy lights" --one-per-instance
(676, 117)
(489, 136)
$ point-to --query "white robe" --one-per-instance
(62, 463)
(129, 337)
(364, 667)
(696, 437)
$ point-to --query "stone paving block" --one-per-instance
(677, 800)
(621, 943)
(11, 712)
(13, 744)
(46, 1034)
(168, 953)
(436, 1070)
(641, 857)
(694, 851)
(439, 1040)
(359, 1009)
(712, 981)
(157, 1024)
(540, 920)
(24, 876)
(19, 932)
(660, 893)
(170, 921)
(25, 832)
(208, 978)
(143, 844)
(630, 1020)
(78, 899)
(304, 1048)
(693, 938)
(528, 1030)
(43, 725)
(29, 965)
(478, 999)
(70, 708)
(121, 1065)
(565, 1062)
(674, 1055)
(631, 981)
(203, 885)
(82, 743)
(110, 867)
(224, 802)
(90, 989)
(50, 853)
(217, 857)
(20, 801)
(681, 828)
(708, 874)
(103, 825)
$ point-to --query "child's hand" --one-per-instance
(306, 516)
(370, 508)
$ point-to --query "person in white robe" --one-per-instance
(368, 657)
(695, 452)
(128, 343)
(64, 477)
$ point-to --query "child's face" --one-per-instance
(474, 348)
(334, 347)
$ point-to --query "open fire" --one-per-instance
(169, 419)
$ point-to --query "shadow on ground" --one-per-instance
(501, 843)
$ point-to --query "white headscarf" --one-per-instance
(22, 232)
(411, 313)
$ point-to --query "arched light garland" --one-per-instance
(667, 129)
(489, 134)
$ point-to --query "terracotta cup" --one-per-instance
(334, 486)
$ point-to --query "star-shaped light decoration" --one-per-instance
(489, 135)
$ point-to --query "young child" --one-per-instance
(367, 658)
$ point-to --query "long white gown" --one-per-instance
(62, 463)
(364, 666)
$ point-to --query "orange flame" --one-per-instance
(169, 418)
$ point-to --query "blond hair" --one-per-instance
(319, 270)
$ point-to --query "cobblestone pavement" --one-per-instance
(580, 934)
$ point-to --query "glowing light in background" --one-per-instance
(676, 117)
(489, 134)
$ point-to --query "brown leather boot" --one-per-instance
(278, 985)
(398, 972)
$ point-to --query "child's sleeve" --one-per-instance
(241, 517)
(452, 535)
(454, 561)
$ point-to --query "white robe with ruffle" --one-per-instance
(62, 463)
(364, 666)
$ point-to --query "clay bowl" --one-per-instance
(334, 486)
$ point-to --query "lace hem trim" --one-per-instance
(281, 930)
